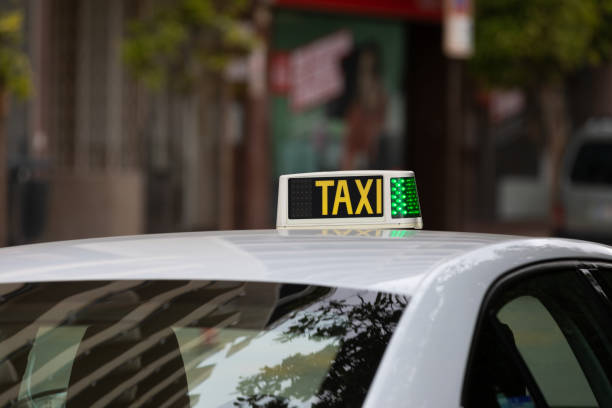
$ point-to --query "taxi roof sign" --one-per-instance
(348, 199)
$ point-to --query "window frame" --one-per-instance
(587, 270)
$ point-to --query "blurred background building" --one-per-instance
(323, 85)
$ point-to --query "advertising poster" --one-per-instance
(337, 92)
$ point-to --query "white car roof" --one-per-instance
(446, 275)
(344, 258)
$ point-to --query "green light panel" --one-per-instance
(404, 198)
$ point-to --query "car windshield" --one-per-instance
(593, 164)
(190, 343)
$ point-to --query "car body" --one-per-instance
(585, 210)
(449, 281)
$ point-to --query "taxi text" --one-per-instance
(354, 204)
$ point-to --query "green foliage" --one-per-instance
(181, 40)
(527, 43)
(14, 64)
(297, 371)
(361, 331)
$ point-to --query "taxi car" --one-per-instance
(346, 304)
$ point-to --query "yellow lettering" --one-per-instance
(363, 192)
(378, 196)
(324, 184)
(342, 196)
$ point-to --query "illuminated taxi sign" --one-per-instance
(404, 198)
(346, 199)
(335, 197)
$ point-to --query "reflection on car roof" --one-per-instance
(390, 260)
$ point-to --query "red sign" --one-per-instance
(411, 9)
(280, 72)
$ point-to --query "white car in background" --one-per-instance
(307, 316)
(585, 207)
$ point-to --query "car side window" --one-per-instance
(547, 353)
(543, 341)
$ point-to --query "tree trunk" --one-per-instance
(455, 197)
(556, 124)
(3, 174)
(257, 170)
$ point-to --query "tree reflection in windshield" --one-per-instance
(363, 330)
